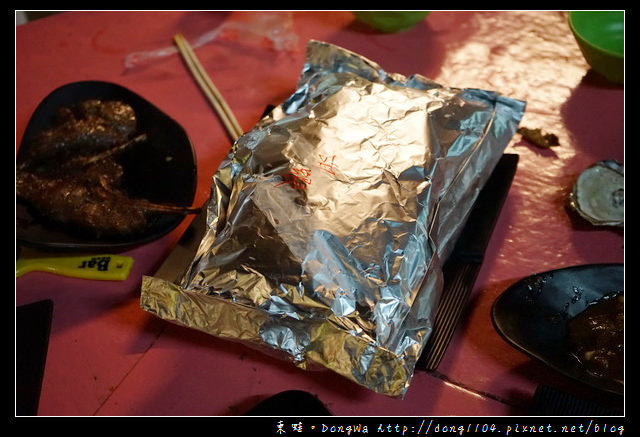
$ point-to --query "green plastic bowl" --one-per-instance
(390, 21)
(600, 36)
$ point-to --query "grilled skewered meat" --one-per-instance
(82, 129)
(71, 173)
(89, 201)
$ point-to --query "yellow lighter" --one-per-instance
(103, 267)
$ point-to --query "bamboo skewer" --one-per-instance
(208, 88)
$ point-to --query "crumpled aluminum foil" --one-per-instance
(329, 222)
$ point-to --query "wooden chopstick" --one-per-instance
(208, 88)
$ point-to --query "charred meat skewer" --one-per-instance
(90, 202)
(79, 163)
(83, 128)
(72, 176)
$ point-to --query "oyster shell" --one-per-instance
(598, 194)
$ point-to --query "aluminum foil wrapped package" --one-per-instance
(329, 222)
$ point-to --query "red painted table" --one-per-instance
(108, 357)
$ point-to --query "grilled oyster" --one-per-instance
(598, 194)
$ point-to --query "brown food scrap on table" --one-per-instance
(539, 138)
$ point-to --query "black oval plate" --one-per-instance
(162, 169)
(532, 315)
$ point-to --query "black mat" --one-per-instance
(464, 263)
(33, 324)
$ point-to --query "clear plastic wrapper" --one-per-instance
(270, 29)
(329, 221)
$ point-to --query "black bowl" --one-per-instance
(533, 315)
(162, 170)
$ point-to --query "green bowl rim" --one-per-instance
(586, 41)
